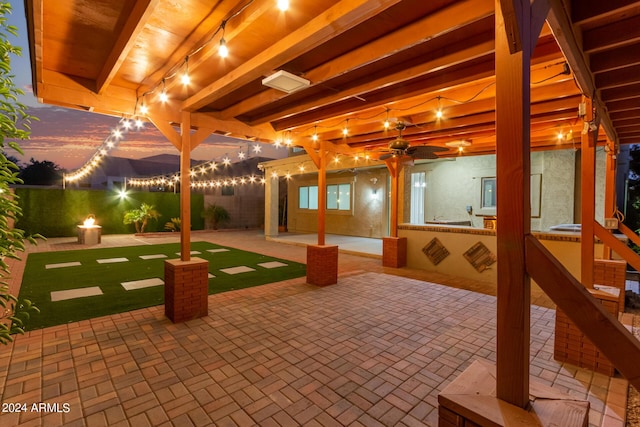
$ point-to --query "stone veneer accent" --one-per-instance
(322, 265)
(394, 252)
(186, 289)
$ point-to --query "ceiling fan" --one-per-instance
(401, 147)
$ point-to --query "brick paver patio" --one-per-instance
(375, 349)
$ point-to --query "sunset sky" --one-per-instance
(70, 137)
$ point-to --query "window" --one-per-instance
(339, 197)
(418, 186)
(308, 197)
(489, 193)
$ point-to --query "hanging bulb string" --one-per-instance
(173, 72)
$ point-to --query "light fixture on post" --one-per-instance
(285, 81)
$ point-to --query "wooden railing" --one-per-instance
(604, 330)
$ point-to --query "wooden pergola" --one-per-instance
(512, 76)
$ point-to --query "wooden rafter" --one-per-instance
(344, 15)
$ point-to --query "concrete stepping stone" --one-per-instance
(140, 284)
(155, 256)
(192, 253)
(237, 270)
(272, 264)
(213, 251)
(211, 276)
(111, 260)
(75, 293)
(62, 265)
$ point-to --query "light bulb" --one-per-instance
(144, 109)
(439, 113)
(185, 78)
(163, 96)
(283, 5)
(223, 50)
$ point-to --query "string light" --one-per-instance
(108, 144)
(439, 110)
(283, 5)
(223, 50)
(163, 95)
(185, 79)
(386, 121)
(345, 131)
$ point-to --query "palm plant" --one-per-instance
(216, 214)
(140, 217)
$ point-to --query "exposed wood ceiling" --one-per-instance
(367, 61)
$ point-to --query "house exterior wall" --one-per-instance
(368, 216)
(452, 185)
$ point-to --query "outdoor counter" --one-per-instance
(470, 252)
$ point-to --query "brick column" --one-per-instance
(186, 289)
(394, 252)
(322, 265)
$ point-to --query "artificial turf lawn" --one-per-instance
(38, 282)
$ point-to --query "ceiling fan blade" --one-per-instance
(419, 149)
(385, 156)
(424, 155)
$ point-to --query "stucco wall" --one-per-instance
(368, 215)
(564, 246)
(454, 184)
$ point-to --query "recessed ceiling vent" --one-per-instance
(285, 81)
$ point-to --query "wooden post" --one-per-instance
(322, 193)
(185, 187)
(588, 190)
(513, 167)
(393, 165)
(610, 207)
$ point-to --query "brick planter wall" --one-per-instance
(322, 265)
(572, 346)
(394, 252)
(186, 289)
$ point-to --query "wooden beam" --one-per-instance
(341, 17)
(434, 25)
(616, 245)
(447, 59)
(198, 136)
(167, 130)
(77, 93)
(604, 330)
(629, 233)
(513, 166)
(136, 21)
(185, 187)
(588, 194)
(238, 129)
(563, 29)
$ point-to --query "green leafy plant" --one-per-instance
(216, 214)
(14, 125)
(173, 225)
(140, 217)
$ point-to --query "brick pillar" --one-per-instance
(394, 252)
(322, 265)
(186, 289)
